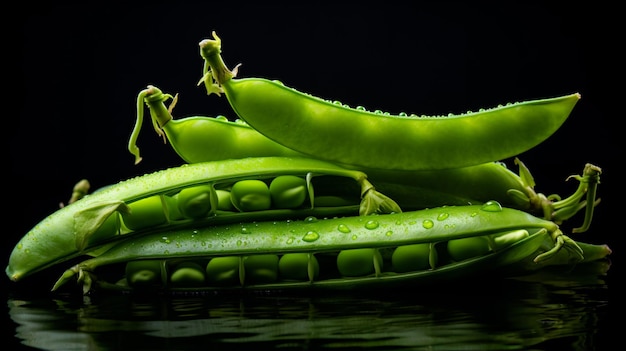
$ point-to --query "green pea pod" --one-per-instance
(202, 139)
(360, 138)
(141, 204)
(326, 237)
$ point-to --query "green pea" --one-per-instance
(261, 269)
(298, 266)
(288, 191)
(506, 239)
(359, 262)
(188, 274)
(251, 195)
(144, 273)
(223, 200)
(223, 270)
(461, 249)
(345, 135)
(197, 202)
(408, 258)
(145, 213)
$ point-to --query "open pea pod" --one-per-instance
(334, 253)
(224, 191)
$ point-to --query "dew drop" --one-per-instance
(378, 112)
(371, 224)
(354, 237)
(221, 118)
(427, 224)
(165, 240)
(245, 230)
(310, 236)
(389, 233)
(474, 214)
(361, 108)
(290, 240)
(311, 219)
(402, 114)
(343, 228)
(238, 242)
(492, 206)
(443, 216)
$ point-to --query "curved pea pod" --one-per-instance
(200, 138)
(327, 237)
(489, 181)
(334, 132)
(146, 203)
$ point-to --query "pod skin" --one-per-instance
(327, 235)
(67, 232)
(333, 132)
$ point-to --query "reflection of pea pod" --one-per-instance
(332, 131)
(147, 202)
(325, 237)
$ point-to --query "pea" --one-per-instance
(251, 195)
(359, 262)
(461, 249)
(261, 269)
(144, 213)
(407, 258)
(288, 191)
(144, 273)
(188, 274)
(295, 266)
(223, 200)
(509, 238)
(223, 270)
(197, 202)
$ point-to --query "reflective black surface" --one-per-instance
(556, 309)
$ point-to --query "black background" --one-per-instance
(82, 67)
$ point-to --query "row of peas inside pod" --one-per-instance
(305, 267)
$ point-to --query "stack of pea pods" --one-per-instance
(305, 193)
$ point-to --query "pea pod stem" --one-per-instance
(330, 131)
(557, 209)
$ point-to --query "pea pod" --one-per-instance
(325, 238)
(356, 137)
(141, 204)
(201, 139)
